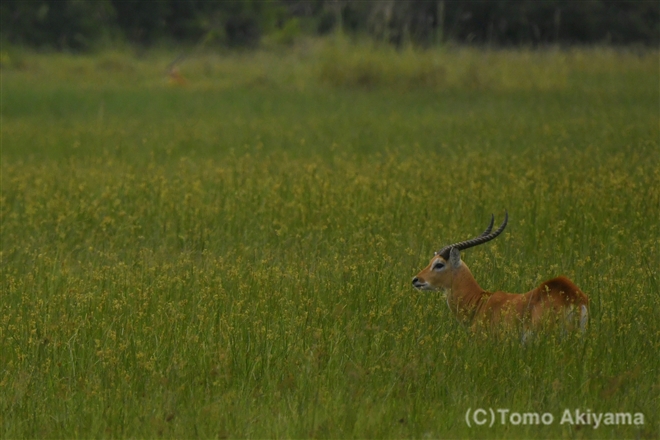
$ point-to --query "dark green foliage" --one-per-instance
(77, 24)
(66, 24)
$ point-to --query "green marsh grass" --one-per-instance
(232, 258)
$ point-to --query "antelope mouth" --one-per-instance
(421, 285)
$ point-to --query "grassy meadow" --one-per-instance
(230, 255)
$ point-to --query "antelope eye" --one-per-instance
(438, 266)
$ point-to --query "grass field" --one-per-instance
(232, 257)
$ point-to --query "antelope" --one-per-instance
(476, 308)
(174, 76)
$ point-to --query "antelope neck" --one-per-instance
(465, 296)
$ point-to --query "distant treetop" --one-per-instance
(82, 24)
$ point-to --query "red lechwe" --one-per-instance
(554, 300)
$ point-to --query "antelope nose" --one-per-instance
(415, 281)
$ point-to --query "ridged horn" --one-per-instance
(486, 232)
(483, 238)
(490, 226)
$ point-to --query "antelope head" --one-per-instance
(446, 264)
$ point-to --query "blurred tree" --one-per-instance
(552, 22)
(143, 21)
(64, 24)
(236, 23)
(77, 24)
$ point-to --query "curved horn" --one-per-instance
(490, 226)
(483, 238)
(483, 234)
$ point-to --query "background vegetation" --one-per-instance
(87, 24)
(227, 252)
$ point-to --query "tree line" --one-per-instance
(84, 24)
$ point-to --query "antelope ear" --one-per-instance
(455, 258)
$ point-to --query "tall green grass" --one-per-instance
(232, 258)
